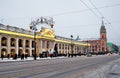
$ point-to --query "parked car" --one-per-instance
(88, 54)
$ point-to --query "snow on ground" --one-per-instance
(28, 58)
(31, 58)
(110, 70)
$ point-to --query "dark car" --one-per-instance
(88, 54)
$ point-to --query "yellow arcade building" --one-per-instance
(14, 40)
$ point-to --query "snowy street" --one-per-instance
(110, 70)
(102, 66)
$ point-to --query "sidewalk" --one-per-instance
(48, 58)
(28, 59)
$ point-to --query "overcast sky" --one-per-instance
(72, 17)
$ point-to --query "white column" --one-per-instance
(17, 45)
(61, 48)
(40, 46)
(24, 46)
(8, 45)
(70, 49)
(53, 44)
(76, 50)
(45, 45)
(73, 49)
(30, 47)
(0, 46)
(67, 48)
(58, 47)
(64, 49)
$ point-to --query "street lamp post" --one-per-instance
(71, 46)
(87, 47)
(34, 45)
(33, 27)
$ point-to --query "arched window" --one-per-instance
(103, 49)
(27, 43)
(20, 42)
(32, 44)
(4, 41)
(12, 42)
(20, 52)
(59, 46)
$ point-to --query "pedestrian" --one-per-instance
(2, 56)
(22, 56)
(46, 54)
(56, 50)
(26, 55)
(8, 56)
(15, 56)
(51, 53)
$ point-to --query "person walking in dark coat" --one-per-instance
(26, 55)
(2, 56)
(8, 56)
(56, 50)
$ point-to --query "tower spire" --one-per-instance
(102, 21)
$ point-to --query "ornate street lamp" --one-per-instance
(49, 21)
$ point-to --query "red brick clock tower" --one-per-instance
(103, 38)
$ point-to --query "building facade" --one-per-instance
(112, 48)
(14, 40)
(98, 46)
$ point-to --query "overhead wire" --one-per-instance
(90, 9)
(78, 11)
(102, 15)
(99, 12)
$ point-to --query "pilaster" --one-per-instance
(8, 45)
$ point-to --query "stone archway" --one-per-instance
(20, 52)
(4, 52)
(12, 53)
(3, 41)
(27, 52)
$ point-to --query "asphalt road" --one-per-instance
(54, 68)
